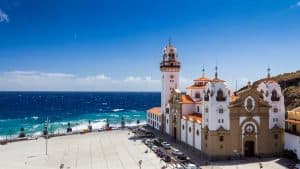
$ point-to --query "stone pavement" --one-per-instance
(103, 150)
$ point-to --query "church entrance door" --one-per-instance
(174, 131)
(249, 148)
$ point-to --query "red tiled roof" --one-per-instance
(186, 99)
(195, 87)
(155, 110)
(193, 117)
(202, 79)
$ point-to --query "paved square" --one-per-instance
(103, 150)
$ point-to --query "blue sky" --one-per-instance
(117, 45)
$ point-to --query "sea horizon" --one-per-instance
(30, 109)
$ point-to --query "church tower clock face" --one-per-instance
(249, 104)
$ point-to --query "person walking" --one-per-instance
(140, 164)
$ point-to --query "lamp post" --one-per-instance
(46, 134)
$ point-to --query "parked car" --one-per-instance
(178, 166)
(182, 158)
(154, 148)
(189, 166)
(167, 158)
(161, 154)
(157, 151)
(166, 145)
(177, 152)
(147, 141)
(157, 141)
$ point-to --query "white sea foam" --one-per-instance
(116, 110)
(136, 115)
(35, 126)
(38, 133)
(114, 115)
(35, 117)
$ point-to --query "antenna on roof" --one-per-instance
(236, 84)
(203, 71)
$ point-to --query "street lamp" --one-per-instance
(46, 134)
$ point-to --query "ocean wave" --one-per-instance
(116, 110)
(38, 133)
(35, 117)
(35, 126)
(113, 115)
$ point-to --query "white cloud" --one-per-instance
(133, 78)
(3, 16)
(39, 81)
(98, 77)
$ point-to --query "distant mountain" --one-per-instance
(290, 84)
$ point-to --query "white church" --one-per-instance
(213, 119)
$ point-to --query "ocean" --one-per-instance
(30, 110)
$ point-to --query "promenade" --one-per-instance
(100, 150)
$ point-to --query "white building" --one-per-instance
(154, 117)
(292, 134)
(210, 118)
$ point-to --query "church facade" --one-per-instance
(219, 122)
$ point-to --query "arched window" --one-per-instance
(198, 109)
(183, 127)
(274, 96)
(220, 95)
(197, 95)
(190, 129)
(197, 132)
(206, 96)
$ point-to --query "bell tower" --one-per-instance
(169, 67)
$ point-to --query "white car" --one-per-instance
(177, 152)
(190, 166)
(154, 148)
(178, 166)
(166, 145)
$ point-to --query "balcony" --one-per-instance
(175, 64)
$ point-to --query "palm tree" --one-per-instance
(22, 133)
(69, 129)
